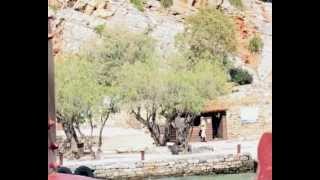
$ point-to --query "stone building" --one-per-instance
(246, 113)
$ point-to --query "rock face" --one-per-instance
(165, 36)
(78, 29)
(261, 16)
(85, 14)
(186, 6)
(161, 27)
(86, 6)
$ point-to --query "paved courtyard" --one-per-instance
(121, 139)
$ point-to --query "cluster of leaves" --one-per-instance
(256, 44)
(139, 4)
(99, 29)
(172, 86)
(209, 35)
(116, 48)
(77, 87)
(240, 76)
(84, 80)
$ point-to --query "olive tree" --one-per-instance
(187, 91)
(140, 87)
(170, 91)
(77, 92)
(85, 82)
(116, 47)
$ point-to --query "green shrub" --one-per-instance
(139, 4)
(255, 44)
(240, 76)
(99, 28)
(166, 3)
(237, 3)
(209, 35)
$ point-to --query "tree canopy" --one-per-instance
(156, 91)
(116, 47)
(209, 35)
(123, 68)
(77, 87)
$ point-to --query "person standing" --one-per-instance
(203, 129)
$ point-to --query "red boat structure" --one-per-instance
(60, 176)
(265, 157)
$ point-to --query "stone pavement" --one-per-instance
(161, 153)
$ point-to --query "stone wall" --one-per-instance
(256, 97)
(237, 129)
(175, 167)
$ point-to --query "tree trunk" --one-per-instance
(74, 134)
(182, 138)
(104, 120)
(150, 123)
(77, 127)
(72, 129)
(90, 139)
(155, 134)
(67, 131)
(155, 129)
(91, 127)
(65, 126)
(185, 143)
(183, 133)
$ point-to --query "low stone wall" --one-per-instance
(203, 165)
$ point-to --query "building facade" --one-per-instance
(246, 113)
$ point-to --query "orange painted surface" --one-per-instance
(265, 157)
(58, 176)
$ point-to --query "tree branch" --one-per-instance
(106, 117)
(219, 5)
(139, 117)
